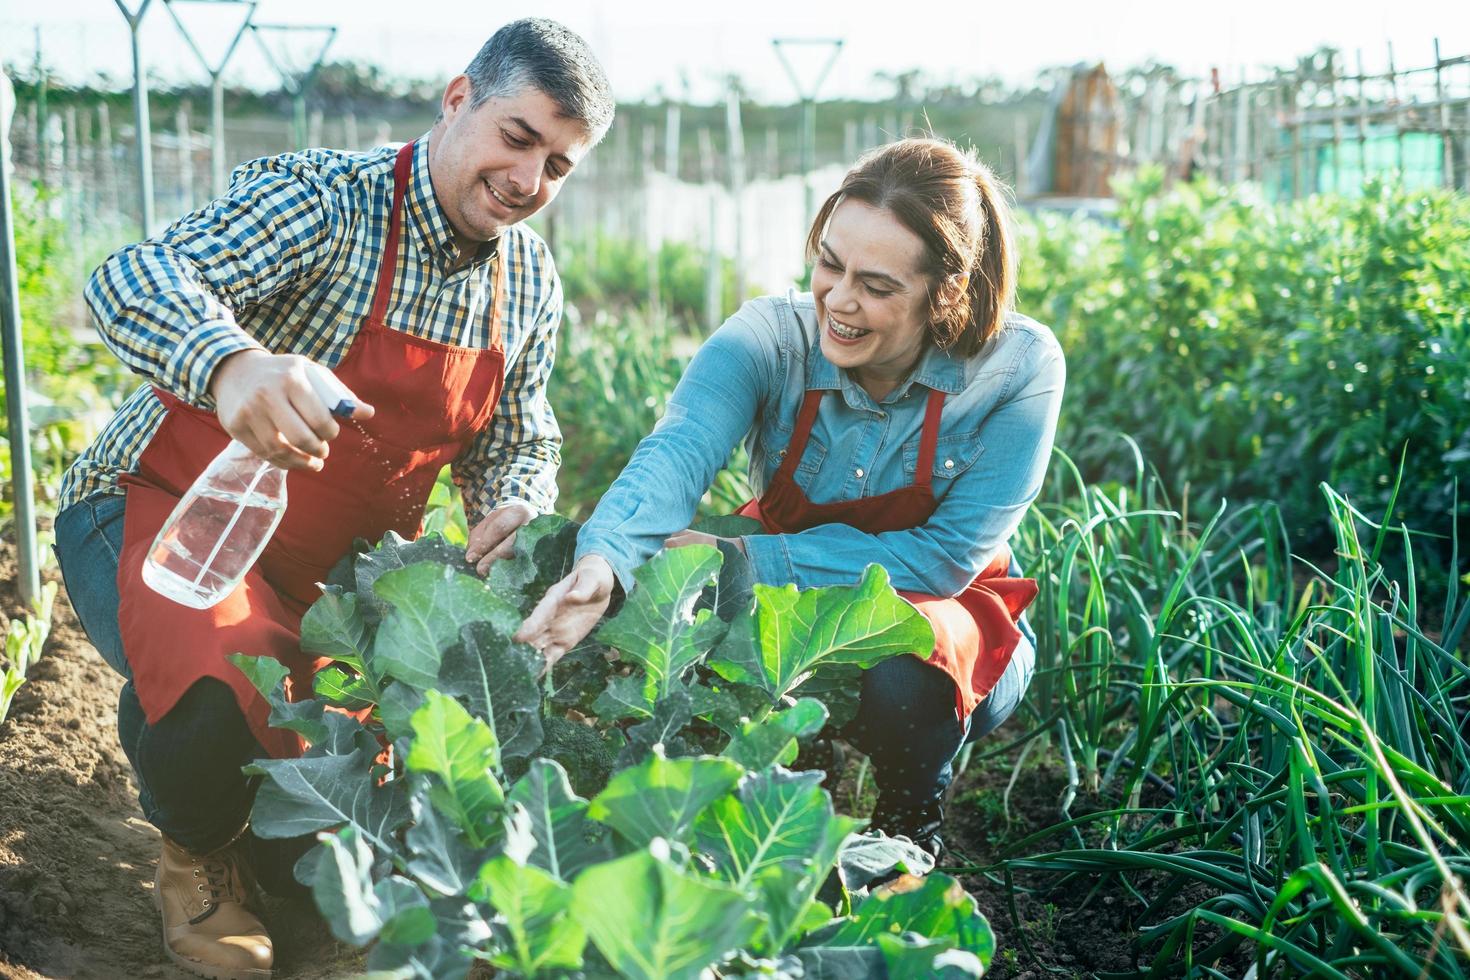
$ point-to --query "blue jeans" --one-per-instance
(188, 763)
(906, 723)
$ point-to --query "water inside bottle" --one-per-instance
(175, 567)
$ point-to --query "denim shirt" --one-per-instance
(748, 380)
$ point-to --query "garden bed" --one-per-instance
(76, 855)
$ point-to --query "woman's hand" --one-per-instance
(569, 609)
(687, 537)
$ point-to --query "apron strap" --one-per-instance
(402, 171)
(809, 404)
(500, 297)
(924, 473)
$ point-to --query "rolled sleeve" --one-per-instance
(166, 306)
(712, 407)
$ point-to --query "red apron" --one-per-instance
(430, 400)
(975, 632)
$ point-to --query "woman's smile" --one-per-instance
(844, 334)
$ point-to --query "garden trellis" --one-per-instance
(215, 69)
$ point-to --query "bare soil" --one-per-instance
(76, 856)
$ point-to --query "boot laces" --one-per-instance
(220, 882)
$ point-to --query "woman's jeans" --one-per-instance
(906, 725)
(188, 763)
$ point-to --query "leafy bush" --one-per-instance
(614, 375)
(697, 848)
(601, 273)
(1254, 349)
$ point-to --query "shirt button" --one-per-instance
(858, 472)
(949, 464)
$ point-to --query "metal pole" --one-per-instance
(296, 83)
(808, 96)
(29, 581)
(808, 157)
(671, 139)
(42, 147)
(140, 117)
(218, 168)
(1444, 118)
(298, 119)
(735, 143)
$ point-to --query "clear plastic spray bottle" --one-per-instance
(218, 530)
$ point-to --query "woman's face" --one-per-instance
(872, 299)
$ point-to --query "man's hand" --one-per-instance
(270, 402)
(687, 537)
(569, 609)
(495, 537)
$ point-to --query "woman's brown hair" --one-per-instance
(957, 207)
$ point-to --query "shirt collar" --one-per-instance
(936, 370)
(425, 217)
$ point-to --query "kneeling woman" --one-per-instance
(897, 414)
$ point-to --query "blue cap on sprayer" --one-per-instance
(221, 525)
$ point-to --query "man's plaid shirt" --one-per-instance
(287, 260)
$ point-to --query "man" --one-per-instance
(409, 275)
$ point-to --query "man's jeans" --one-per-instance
(188, 764)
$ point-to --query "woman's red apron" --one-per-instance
(430, 400)
(975, 632)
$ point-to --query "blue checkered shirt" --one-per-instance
(287, 261)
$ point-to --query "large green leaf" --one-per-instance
(395, 553)
(303, 796)
(910, 956)
(661, 797)
(776, 834)
(496, 681)
(429, 604)
(461, 752)
(624, 697)
(533, 905)
(343, 689)
(657, 626)
(773, 740)
(343, 889)
(545, 551)
(566, 840)
(775, 817)
(334, 628)
(727, 705)
(873, 855)
(934, 906)
(439, 855)
(670, 714)
(654, 921)
(791, 633)
(325, 731)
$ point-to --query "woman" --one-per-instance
(898, 414)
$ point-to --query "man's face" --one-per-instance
(503, 161)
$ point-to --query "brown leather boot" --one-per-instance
(209, 922)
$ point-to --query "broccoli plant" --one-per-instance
(629, 814)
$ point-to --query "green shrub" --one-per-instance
(1254, 350)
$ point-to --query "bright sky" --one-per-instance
(645, 45)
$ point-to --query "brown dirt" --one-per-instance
(76, 855)
(1085, 926)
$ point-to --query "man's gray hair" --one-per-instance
(543, 54)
